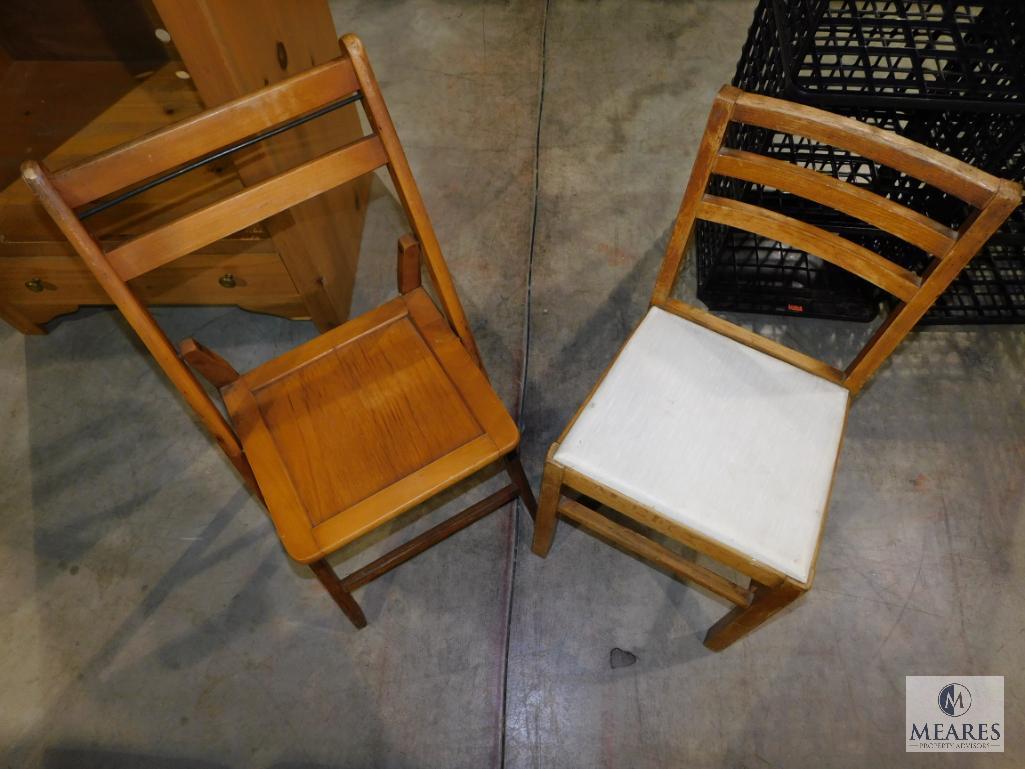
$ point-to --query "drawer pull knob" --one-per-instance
(227, 280)
(35, 285)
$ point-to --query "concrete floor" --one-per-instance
(151, 619)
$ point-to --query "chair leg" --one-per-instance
(514, 468)
(545, 520)
(322, 569)
(742, 620)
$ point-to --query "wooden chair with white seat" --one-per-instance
(724, 440)
(348, 431)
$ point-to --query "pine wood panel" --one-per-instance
(287, 362)
(32, 246)
(391, 401)
(81, 30)
(407, 492)
(19, 319)
(235, 47)
(276, 487)
(378, 407)
(45, 103)
(194, 279)
(151, 105)
(466, 374)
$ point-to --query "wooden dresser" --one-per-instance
(300, 265)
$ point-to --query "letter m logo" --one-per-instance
(954, 699)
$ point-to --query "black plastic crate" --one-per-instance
(743, 272)
(793, 50)
(991, 289)
(850, 167)
(996, 145)
(964, 55)
(920, 68)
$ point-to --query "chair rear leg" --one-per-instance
(514, 468)
(322, 569)
(545, 520)
(742, 620)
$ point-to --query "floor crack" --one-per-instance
(523, 373)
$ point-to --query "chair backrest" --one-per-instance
(163, 154)
(991, 199)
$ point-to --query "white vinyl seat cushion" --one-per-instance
(729, 442)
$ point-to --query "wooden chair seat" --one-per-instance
(720, 438)
(362, 423)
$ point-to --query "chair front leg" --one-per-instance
(742, 620)
(322, 569)
(514, 468)
(548, 505)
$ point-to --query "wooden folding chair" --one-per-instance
(349, 430)
(726, 441)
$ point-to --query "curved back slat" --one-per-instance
(953, 176)
(992, 198)
(911, 226)
(807, 237)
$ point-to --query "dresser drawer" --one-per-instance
(250, 275)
